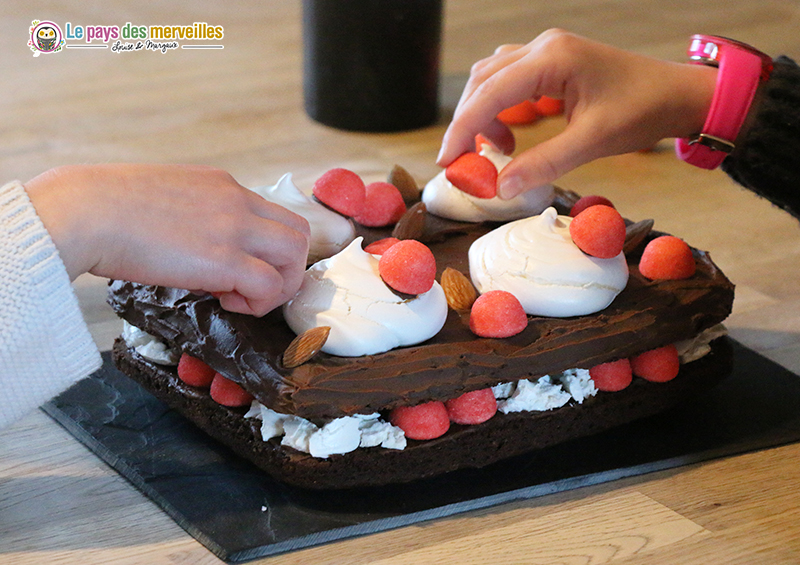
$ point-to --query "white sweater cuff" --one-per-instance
(45, 345)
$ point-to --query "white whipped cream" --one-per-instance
(366, 317)
(149, 346)
(578, 383)
(546, 393)
(330, 232)
(341, 435)
(443, 199)
(536, 260)
(503, 390)
(539, 395)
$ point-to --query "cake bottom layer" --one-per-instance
(504, 436)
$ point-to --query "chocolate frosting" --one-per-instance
(646, 315)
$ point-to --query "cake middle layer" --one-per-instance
(248, 350)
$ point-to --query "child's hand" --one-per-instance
(183, 226)
(615, 102)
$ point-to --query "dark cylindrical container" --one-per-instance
(372, 65)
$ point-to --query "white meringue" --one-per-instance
(366, 317)
(443, 199)
(536, 260)
(330, 232)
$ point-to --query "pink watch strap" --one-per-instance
(740, 72)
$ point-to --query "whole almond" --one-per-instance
(305, 346)
(412, 224)
(635, 234)
(458, 289)
(405, 183)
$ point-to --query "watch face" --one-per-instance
(726, 40)
(706, 49)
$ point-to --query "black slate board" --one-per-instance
(239, 513)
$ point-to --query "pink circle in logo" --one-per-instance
(46, 37)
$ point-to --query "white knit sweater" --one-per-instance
(45, 345)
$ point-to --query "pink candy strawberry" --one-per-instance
(423, 421)
(519, 114)
(497, 313)
(612, 376)
(383, 206)
(228, 393)
(585, 201)
(474, 174)
(380, 246)
(547, 106)
(657, 365)
(481, 140)
(342, 190)
(472, 407)
(598, 231)
(667, 258)
(195, 372)
(408, 266)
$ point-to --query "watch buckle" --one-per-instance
(712, 142)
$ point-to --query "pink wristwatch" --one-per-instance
(741, 69)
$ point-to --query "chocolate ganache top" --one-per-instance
(646, 315)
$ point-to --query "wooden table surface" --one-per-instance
(240, 108)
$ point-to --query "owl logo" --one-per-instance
(46, 37)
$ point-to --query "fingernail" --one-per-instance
(509, 187)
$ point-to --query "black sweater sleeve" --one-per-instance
(767, 161)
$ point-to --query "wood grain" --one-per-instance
(240, 109)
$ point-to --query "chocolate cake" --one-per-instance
(503, 436)
(646, 315)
